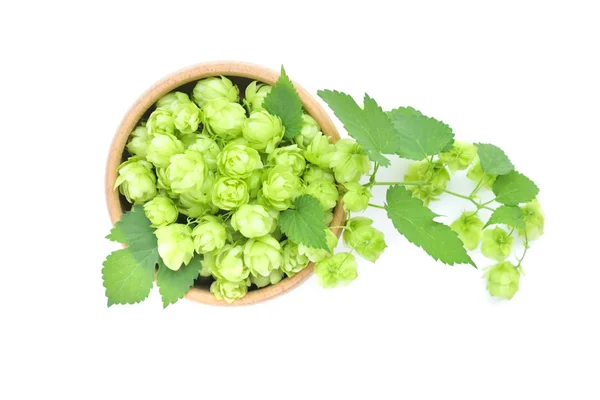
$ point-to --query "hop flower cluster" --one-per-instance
(214, 172)
(428, 179)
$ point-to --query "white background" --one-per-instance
(522, 75)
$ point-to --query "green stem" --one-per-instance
(488, 202)
(462, 196)
(376, 206)
(524, 252)
(416, 183)
(477, 187)
(372, 178)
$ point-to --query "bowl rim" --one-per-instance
(177, 79)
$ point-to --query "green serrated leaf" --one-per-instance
(173, 285)
(283, 101)
(133, 227)
(127, 270)
(116, 234)
(403, 111)
(420, 136)
(416, 222)
(514, 188)
(507, 215)
(370, 126)
(305, 224)
(493, 160)
(126, 279)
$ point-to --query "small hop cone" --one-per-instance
(503, 280)
(339, 269)
(215, 88)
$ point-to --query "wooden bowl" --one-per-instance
(241, 73)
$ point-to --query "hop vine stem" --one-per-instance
(524, 252)
(416, 183)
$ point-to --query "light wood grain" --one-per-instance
(175, 80)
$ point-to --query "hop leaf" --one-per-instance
(493, 160)
(133, 227)
(507, 215)
(173, 285)
(128, 274)
(419, 135)
(126, 279)
(514, 188)
(284, 102)
(305, 225)
(415, 221)
(371, 126)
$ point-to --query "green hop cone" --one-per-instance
(263, 131)
(476, 174)
(175, 245)
(434, 173)
(209, 235)
(238, 161)
(314, 173)
(197, 202)
(139, 140)
(186, 171)
(169, 101)
(534, 220)
(262, 255)
(281, 187)
(339, 269)
(349, 161)
(324, 191)
(310, 129)
(288, 156)
(224, 119)
(368, 242)
(261, 281)
(356, 198)
(459, 157)
(320, 151)
(502, 280)
(186, 117)
(316, 255)
(230, 193)
(209, 148)
(229, 264)
(255, 95)
(253, 220)
(469, 229)
(228, 291)
(162, 147)
(215, 88)
(356, 222)
(293, 261)
(497, 244)
(161, 211)
(136, 180)
(161, 122)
